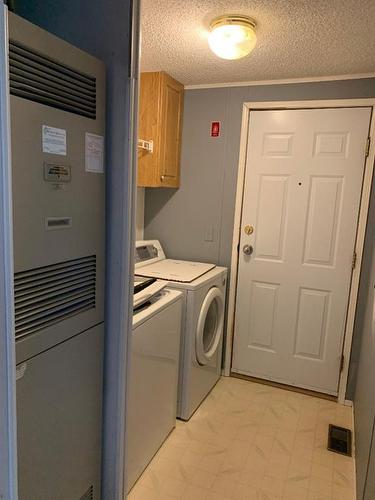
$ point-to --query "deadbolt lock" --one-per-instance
(248, 229)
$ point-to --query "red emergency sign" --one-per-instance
(215, 129)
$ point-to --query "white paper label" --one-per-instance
(20, 371)
(54, 140)
(94, 153)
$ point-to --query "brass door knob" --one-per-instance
(248, 229)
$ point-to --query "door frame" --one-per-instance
(361, 228)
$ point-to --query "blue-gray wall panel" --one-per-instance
(181, 217)
(363, 357)
(191, 210)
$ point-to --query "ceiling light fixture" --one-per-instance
(232, 36)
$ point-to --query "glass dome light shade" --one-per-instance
(232, 37)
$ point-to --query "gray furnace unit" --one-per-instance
(57, 126)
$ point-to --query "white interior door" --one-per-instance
(303, 182)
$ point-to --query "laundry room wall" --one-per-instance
(140, 213)
(196, 221)
(362, 372)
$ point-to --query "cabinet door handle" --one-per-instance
(165, 177)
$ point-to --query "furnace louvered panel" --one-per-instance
(51, 294)
(89, 495)
(38, 78)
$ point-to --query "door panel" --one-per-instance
(302, 191)
(262, 321)
(271, 215)
(331, 145)
(277, 145)
(311, 323)
(322, 220)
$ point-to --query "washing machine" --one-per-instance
(153, 377)
(203, 286)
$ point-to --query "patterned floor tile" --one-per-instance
(249, 441)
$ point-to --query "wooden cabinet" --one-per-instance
(160, 120)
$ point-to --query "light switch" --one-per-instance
(209, 233)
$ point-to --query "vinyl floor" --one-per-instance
(249, 441)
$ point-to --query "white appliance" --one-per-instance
(152, 397)
(57, 111)
(203, 286)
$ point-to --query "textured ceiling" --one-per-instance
(296, 39)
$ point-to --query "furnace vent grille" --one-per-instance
(89, 495)
(50, 294)
(38, 78)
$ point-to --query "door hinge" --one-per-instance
(368, 144)
(354, 259)
(342, 362)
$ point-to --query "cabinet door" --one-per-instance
(149, 128)
(172, 108)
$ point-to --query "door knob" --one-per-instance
(248, 249)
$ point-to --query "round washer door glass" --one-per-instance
(210, 326)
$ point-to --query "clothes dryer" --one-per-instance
(203, 286)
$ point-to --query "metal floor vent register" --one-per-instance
(340, 440)
(50, 294)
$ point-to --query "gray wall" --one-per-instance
(206, 199)
(180, 218)
(363, 365)
(370, 478)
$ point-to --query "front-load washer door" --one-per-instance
(210, 326)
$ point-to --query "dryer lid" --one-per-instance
(175, 270)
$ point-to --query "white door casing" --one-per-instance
(304, 174)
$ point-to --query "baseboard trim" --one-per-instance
(285, 387)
